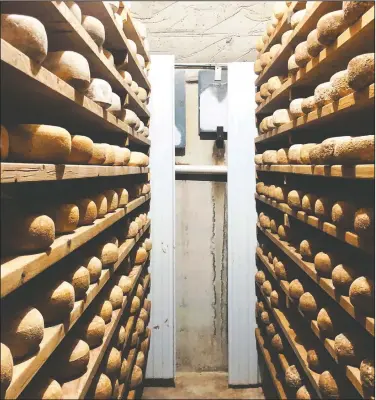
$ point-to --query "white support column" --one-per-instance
(243, 368)
(161, 361)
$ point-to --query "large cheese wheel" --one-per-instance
(308, 249)
(116, 297)
(367, 374)
(82, 150)
(132, 230)
(327, 149)
(120, 338)
(265, 59)
(126, 75)
(302, 56)
(73, 359)
(279, 9)
(328, 386)
(4, 144)
(361, 295)
(327, 322)
(313, 45)
(103, 388)
(348, 349)
(286, 37)
(303, 394)
(75, 9)
(57, 304)
(257, 67)
(25, 33)
(65, 217)
(135, 305)
(147, 245)
(110, 154)
(112, 200)
(88, 211)
(94, 28)
(136, 377)
(130, 118)
(323, 207)
(292, 377)
(134, 87)
(138, 159)
(23, 332)
(69, 66)
(98, 156)
(343, 214)
(140, 360)
(100, 201)
(282, 156)
(292, 66)
(80, 280)
(304, 153)
(340, 84)
(141, 256)
(93, 332)
(296, 289)
(308, 305)
(105, 311)
(112, 362)
(39, 143)
(294, 154)
(119, 155)
(126, 155)
(274, 50)
(330, 26)
(270, 123)
(309, 104)
(342, 277)
(352, 10)
(122, 196)
(258, 159)
(124, 370)
(275, 83)
(100, 91)
(361, 71)
(280, 194)
(269, 157)
(142, 94)
(115, 106)
(297, 17)
(48, 389)
(6, 369)
(108, 253)
(281, 116)
(296, 108)
(324, 94)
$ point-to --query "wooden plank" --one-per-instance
(346, 236)
(351, 103)
(361, 171)
(278, 385)
(16, 271)
(46, 97)
(27, 172)
(368, 323)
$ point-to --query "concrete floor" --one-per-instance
(205, 385)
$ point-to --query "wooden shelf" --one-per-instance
(356, 39)
(116, 39)
(269, 363)
(300, 34)
(71, 35)
(368, 323)
(361, 171)
(27, 172)
(16, 271)
(24, 371)
(346, 236)
(352, 103)
(44, 97)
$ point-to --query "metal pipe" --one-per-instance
(201, 169)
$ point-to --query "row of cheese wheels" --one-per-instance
(359, 74)
(344, 214)
(28, 233)
(24, 330)
(344, 150)
(53, 144)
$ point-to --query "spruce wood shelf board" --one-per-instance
(368, 323)
(16, 271)
(345, 236)
(361, 171)
(66, 33)
(355, 40)
(351, 103)
(29, 172)
(269, 363)
(44, 97)
(115, 38)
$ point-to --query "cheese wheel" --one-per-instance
(100, 201)
(120, 339)
(140, 360)
(328, 386)
(257, 68)
(275, 83)
(126, 75)
(303, 394)
(279, 9)
(352, 10)
(260, 307)
(294, 199)
(364, 221)
(105, 311)
(140, 326)
(119, 155)
(88, 211)
(124, 370)
(98, 156)
(282, 156)
(308, 305)
(314, 47)
(367, 374)
(82, 150)
(69, 66)
(324, 94)
(343, 214)
(264, 221)
(267, 288)
(122, 196)
(112, 362)
(125, 283)
(47, 390)
(57, 304)
(296, 108)
(274, 21)
(348, 349)
(323, 207)
(141, 60)
(357, 150)
(274, 50)
(135, 305)
(115, 106)
(103, 388)
(294, 154)
(361, 295)
(340, 85)
(281, 116)
(108, 55)
(265, 318)
(270, 123)
(145, 132)
(6, 369)
(142, 94)
(110, 154)
(270, 330)
(292, 377)
(269, 157)
(136, 377)
(274, 299)
(258, 159)
(116, 297)
(304, 153)
(286, 37)
(112, 200)
(4, 144)
(100, 91)
(116, 390)
(292, 66)
(280, 194)
(80, 280)
(95, 29)
(326, 151)
(259, 44)
(330, 26)
(147, 245)
(342, 277)
(108, 253)
(326, 322)
(297, 17)
(132, 46)
(134, 87)
(144, 315)
(270, 29)
(264, 90)
(132, 230)
(281, 271)
(309, 104)
(25, 33)
(141, 256)
(284, 232)
(260, 187)
(75, 10)
(265, 38)
(93, 332)
(308, 249)
(265, 59)
(140, 291)
(296, 289)
(134, 340)
(39, 143)
(138, 159)
(308, 203)
(313, 360)
(302, 56)
(65, 217)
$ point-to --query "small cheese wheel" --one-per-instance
(25, 33)
(303, 394)
(292, 66)
(260, 307)
(275, 83)
(265, 318)
(294, 199)
(304, 153)
(269, 157)
(124, 370)
(266, 288)
(326, 322)
(126, 76)
(260, 187)
(348, 349)
(142, 94)
(100, 91)
(116, 297)
(130, 118)
(367, 374)
(125, 283)
(65, 217)
(277, 343)
(296, 108)
(138, 159)
(110, 154)
(328, 386)
(308, 305)
(361, 295)
(302, 56)
(139, 222)
(4, 144)
(343, 214)
(6, 368)
(258, 159)
(342, 277)
(308, 203)
(141, 256)
(309, 104)
(323, 207)
(257, 68)
(274, 21)
(271, 191)
(258, 98)
(132, 230)
(136, 377)
(281, 271)
(364, 221)
(294, 154)
(88, 211)
(75, 10)
(279, 9)
(47, 389)
(308, 249)
(264, 90)
(282, 156)
(324, 94)
(314, 47)
(119, 155)
(281, 116)
(108, 55)
(39, 143)
(112, 200)
(80, 280)
(352, 10)
(140, 360)
(134, 87)
(122, 196)
(144, 315)
(313, 360)
(140, 326)
(105, 311)
(286, 37)
(292, 377)
(270, 330)
(120, 338)
(296, 289)
(112, 362)
(100, 201)
(98, 156)
(340, 84)
(126, 155)
(103, 388)
(69, 66)
(273, 227)
(330, 26)
(265, 59)
(108, 253)
(57, 304)
(270, 29)
(265, 221)
(134, 340)
(280, 194)
(274, 50)
(93, 333)
(135, 305)
(115, 106)
(140, 291)
(82, 150)
(274, 299)
(284, 232)
(95, 29)
(297, 17)
(357, 150)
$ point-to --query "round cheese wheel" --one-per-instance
(308, 249)
(138, 159)
(296, 108)
(136, 377)
(4, 144)
(281, 116)
(88, 211)
(135, 305)
(126, 75)
(265, 59)
(302, 56)
(103, 388)
(141, 60)
(132, 46)
(266, 288)
(147, 245)
(132, 230)
(265, 38)
(328, 386)
(274, 299)
(112, 362)
(119, 155)
(274, 21)
(65, 217)
(294, 199)
(308, 305)
(323, 207)
(39, 143)
(269, 157)
(140, 360)
(264, 90)
(57, 304)
(324, 94)
(142, 94)
(297, 17)
(258, 159)
(122, 196)
(145, 345)
(348, 349)
(134, 340)
(284, 232)
(296, 289)
(367, 374)
(260, 187)
(260, 277)
(361, 295)
(264, 221)
(116, 297)
(112, 200)
(110, 154)
(279, 9)
(134, 87)
(352, 10)
(364, 221)
(314, 47)
(140, 326)
(25, 33)
(269, 123)
(280, 194)
(141, 256)
(342, 277)
(286, 37)
(108, 253)
(260, 307)
(326, 151)
(130, 118)
(270, 330)
(98, 156)
(357, 150)
(292, 377)
(47, 390)
(330, 26)
(69, 66)
(80, 280)
(309, 104)
(275, 83)
(305, 151)
(75, 10)
(82, 150)
(343, 214)
(144, 315)
(313, 360)
(73, 360)
(125, 283)
(257, 67)
(93, 332)
(94, 28)
(282, 156)
(292, 66)
(270, 29)
(100, 91)
(124, 370)
(281, 271)
(274, 50)
(326, 323)
(294, 154)
(100, 201)
(105, 311)
(115, 106)
(140, 291)
(308, 203)
(6, 372)
(303, 394)
(340, 85)
(324, 263)
(120, 339)
(259, 44)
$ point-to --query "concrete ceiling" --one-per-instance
(204, 31)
